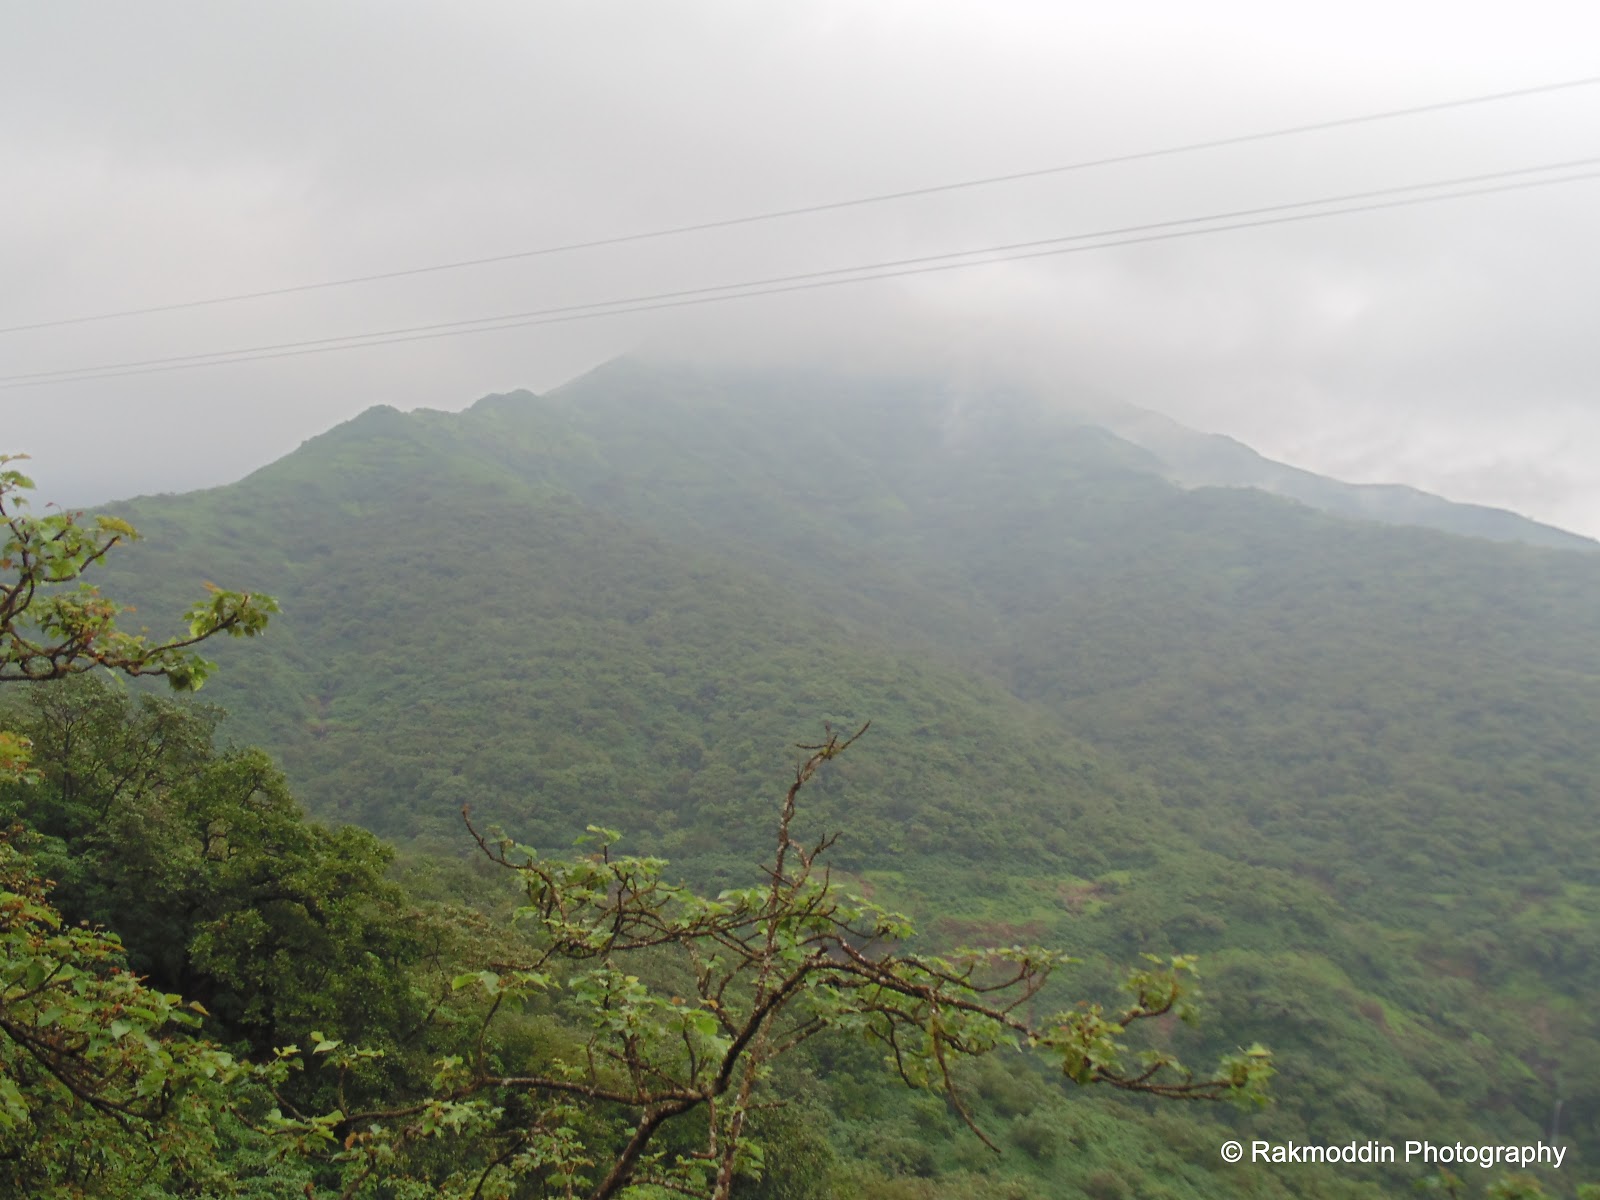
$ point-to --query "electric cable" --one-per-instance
(862, 273)
(829, 206)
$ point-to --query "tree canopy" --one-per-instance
(102, 1085)
(53, 623)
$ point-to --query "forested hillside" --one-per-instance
(1349, 764)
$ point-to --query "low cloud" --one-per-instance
(171, 153)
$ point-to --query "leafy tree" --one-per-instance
(203, 862)
(97, 1082)
(53, 624)
(102, 1090)
(677, 1007)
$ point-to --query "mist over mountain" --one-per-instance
(1212, 460)
(1289, 724)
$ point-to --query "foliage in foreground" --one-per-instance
(678, 1006)
(102, 1088)
(627, 1034)
(53, 624)
(100, 1083)
(227, 894)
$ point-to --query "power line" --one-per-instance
(863, 273)
(830, 206)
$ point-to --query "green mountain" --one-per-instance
(1350, 763)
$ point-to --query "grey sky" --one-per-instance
(160, 152)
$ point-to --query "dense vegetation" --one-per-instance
(356, 1042)
(1348, 764)
(620, 1042)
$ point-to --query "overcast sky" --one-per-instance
(158, 153)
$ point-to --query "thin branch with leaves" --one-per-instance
(771, 967)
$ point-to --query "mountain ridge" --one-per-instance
(1196, 459)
